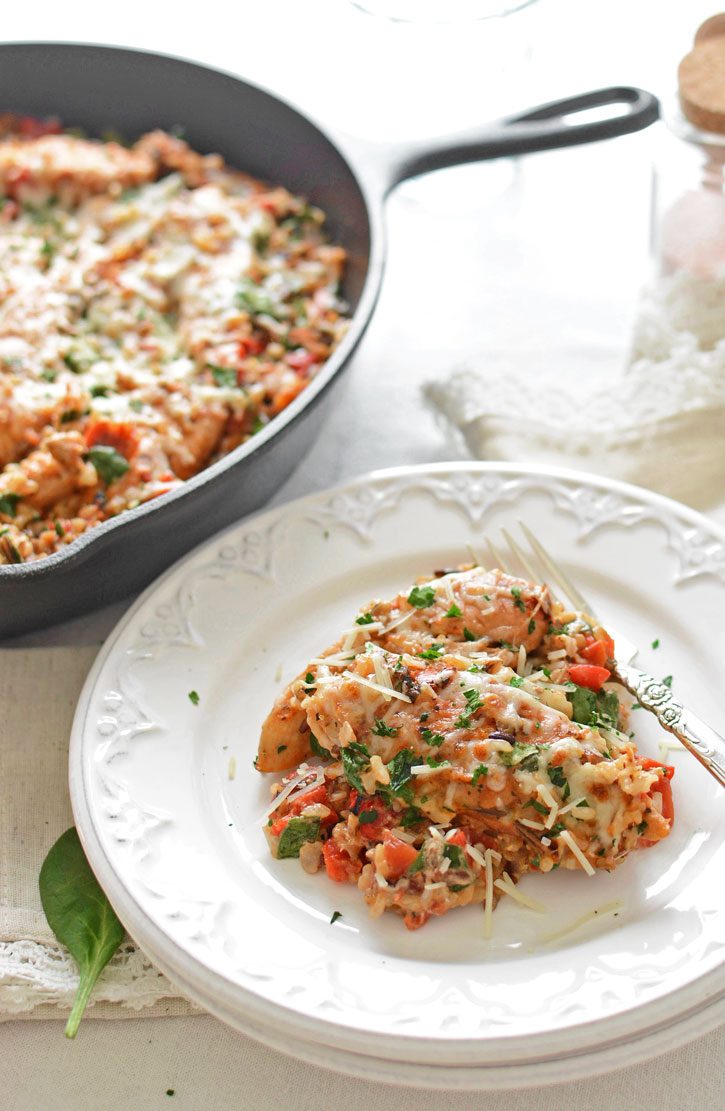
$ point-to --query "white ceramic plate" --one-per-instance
(176, 839)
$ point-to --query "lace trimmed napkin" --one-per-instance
(658, 422)
(39, 688)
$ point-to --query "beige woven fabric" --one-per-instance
(39, 688)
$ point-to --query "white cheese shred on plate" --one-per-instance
(507, 886)
(599, 912)
(488, 906)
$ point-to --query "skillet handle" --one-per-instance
(542, 128)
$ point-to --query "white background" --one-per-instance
(560, 239)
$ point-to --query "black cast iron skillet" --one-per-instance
(132, 91)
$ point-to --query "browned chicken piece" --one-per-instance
(487, 608)
(191, 440)
(70, 168)
(171, 153)
(20, 427)
(51, 473)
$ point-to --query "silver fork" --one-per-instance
(697, 737)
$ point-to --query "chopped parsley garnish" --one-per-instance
(70, 415)
(532, 625)
(535, 861)
(309, 679)
(431, 738)
(468, 635)
(433, 653)
(546, 672)
(225, 376)
(366, 817)
(421, 597)
(667, 681)
(556, 829)
(410, 817)
(254, 300)
(295, 834)
(509, 647)
(59, 530)
(99, 391)
(538, 806)
(454, 611)
(641, 828)
(194, 698)
(281, 748)
(557, 777)
(473, 699)
(317, 749)
(480, 773)
(516, 681)
(655, 644)
(380, 729)
(73, 362)
(8, 504)
(335, 915)
(463, 721)
(433, 763)
(366, 619)
(109, 464)
(516, 592)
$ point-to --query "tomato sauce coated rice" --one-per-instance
(157, 309)
(456, 738)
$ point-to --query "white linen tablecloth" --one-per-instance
(510, 260)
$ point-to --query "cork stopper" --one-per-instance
(701, 77)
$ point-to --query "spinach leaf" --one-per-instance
(399, 769)
(223, 375)
(109, 464)
(521, 755)
(317, 749)
(355, 759)
(80, 916)
(294, 835)
(8, 503)
(594, 707)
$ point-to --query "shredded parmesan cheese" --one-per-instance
(607, 908)
(508, 888)
(570, 805)
(387, 692)
(488, 906)
(567, 838)
(426, 769)
(304, 774)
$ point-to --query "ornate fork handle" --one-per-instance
(702, 741)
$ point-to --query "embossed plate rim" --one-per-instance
(247, 1010)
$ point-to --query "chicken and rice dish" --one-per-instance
(157, 308)
(455, 738)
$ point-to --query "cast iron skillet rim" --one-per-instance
(79, 549)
